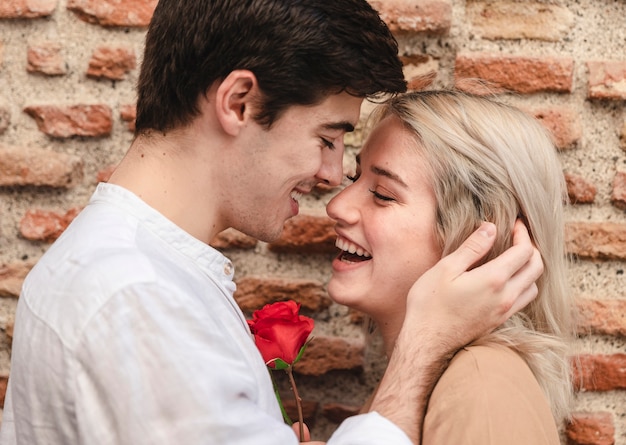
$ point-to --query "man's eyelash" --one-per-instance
(352, 178)
(328, 143)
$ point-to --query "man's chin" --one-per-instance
(267, 236)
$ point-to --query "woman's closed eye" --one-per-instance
(380, 196)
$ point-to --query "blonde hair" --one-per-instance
(493, 162)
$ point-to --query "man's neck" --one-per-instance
(168, 178)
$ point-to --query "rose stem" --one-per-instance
(298, 400)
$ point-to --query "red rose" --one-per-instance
(279, 332)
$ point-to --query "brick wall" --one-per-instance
(67, 72)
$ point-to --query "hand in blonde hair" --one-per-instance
(461, 304)
(448, 307)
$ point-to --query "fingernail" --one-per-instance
(487, 229)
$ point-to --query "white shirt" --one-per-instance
(127, 333)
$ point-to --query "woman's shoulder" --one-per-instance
(475, 367)
(487, 370)
(488, 358)
(489, 394)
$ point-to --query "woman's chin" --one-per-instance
(343, 294)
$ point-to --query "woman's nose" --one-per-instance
(342, 207)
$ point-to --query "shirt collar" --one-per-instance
(205, 256)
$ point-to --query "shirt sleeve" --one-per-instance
(488, 396)
(149, 371)
(369, 429)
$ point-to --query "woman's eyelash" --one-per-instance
(379, 196)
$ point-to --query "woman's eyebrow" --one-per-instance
(382, 172)
(386, 173)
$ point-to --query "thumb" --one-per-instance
(474, 248)
(296, 429)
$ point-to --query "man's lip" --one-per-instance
(304, 191)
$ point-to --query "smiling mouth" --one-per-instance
(351, 253)
(296, 195)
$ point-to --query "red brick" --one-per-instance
(76, 120)
(618, 194)
(309, 407)
(12, 276)
(432, 17)
(338, 412)
(525, 75)
(324, 354)
(600, 372)
(35, 166)
(233, 239)
(607, 79)
(128, 113)
(10, 325)
(596, 240)
(253, 293)
(564, 124)
(515, 20)
(111, 62)
(306, 234)
(45, 225)
(602, 317)
(591, 429)
(104, 174)
(579, 190)
(26, 9)
(4, 381)
(46, 59)
(5, 118)
(136, 13)
(420, 71)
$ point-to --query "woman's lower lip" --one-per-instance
(340, 265)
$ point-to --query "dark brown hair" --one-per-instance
(299, 50)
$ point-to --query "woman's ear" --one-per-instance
(234, 100)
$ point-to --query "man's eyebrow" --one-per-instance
(382, 172)
(343, 125)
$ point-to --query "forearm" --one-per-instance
(414, 369)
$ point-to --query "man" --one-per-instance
(126, 330)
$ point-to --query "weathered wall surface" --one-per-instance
(67, 75)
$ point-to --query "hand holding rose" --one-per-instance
(281, 334)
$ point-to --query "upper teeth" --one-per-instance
(348, 246)
(296, 195)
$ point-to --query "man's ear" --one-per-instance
(234, 100)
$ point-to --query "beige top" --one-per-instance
(488, 396)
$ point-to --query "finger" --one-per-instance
(473, 248)
(307, 433)
(514, 259)
(524, 298)
(520, 233)
(523, 284)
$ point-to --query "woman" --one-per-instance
(437, 164)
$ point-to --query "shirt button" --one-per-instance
(228, 268)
